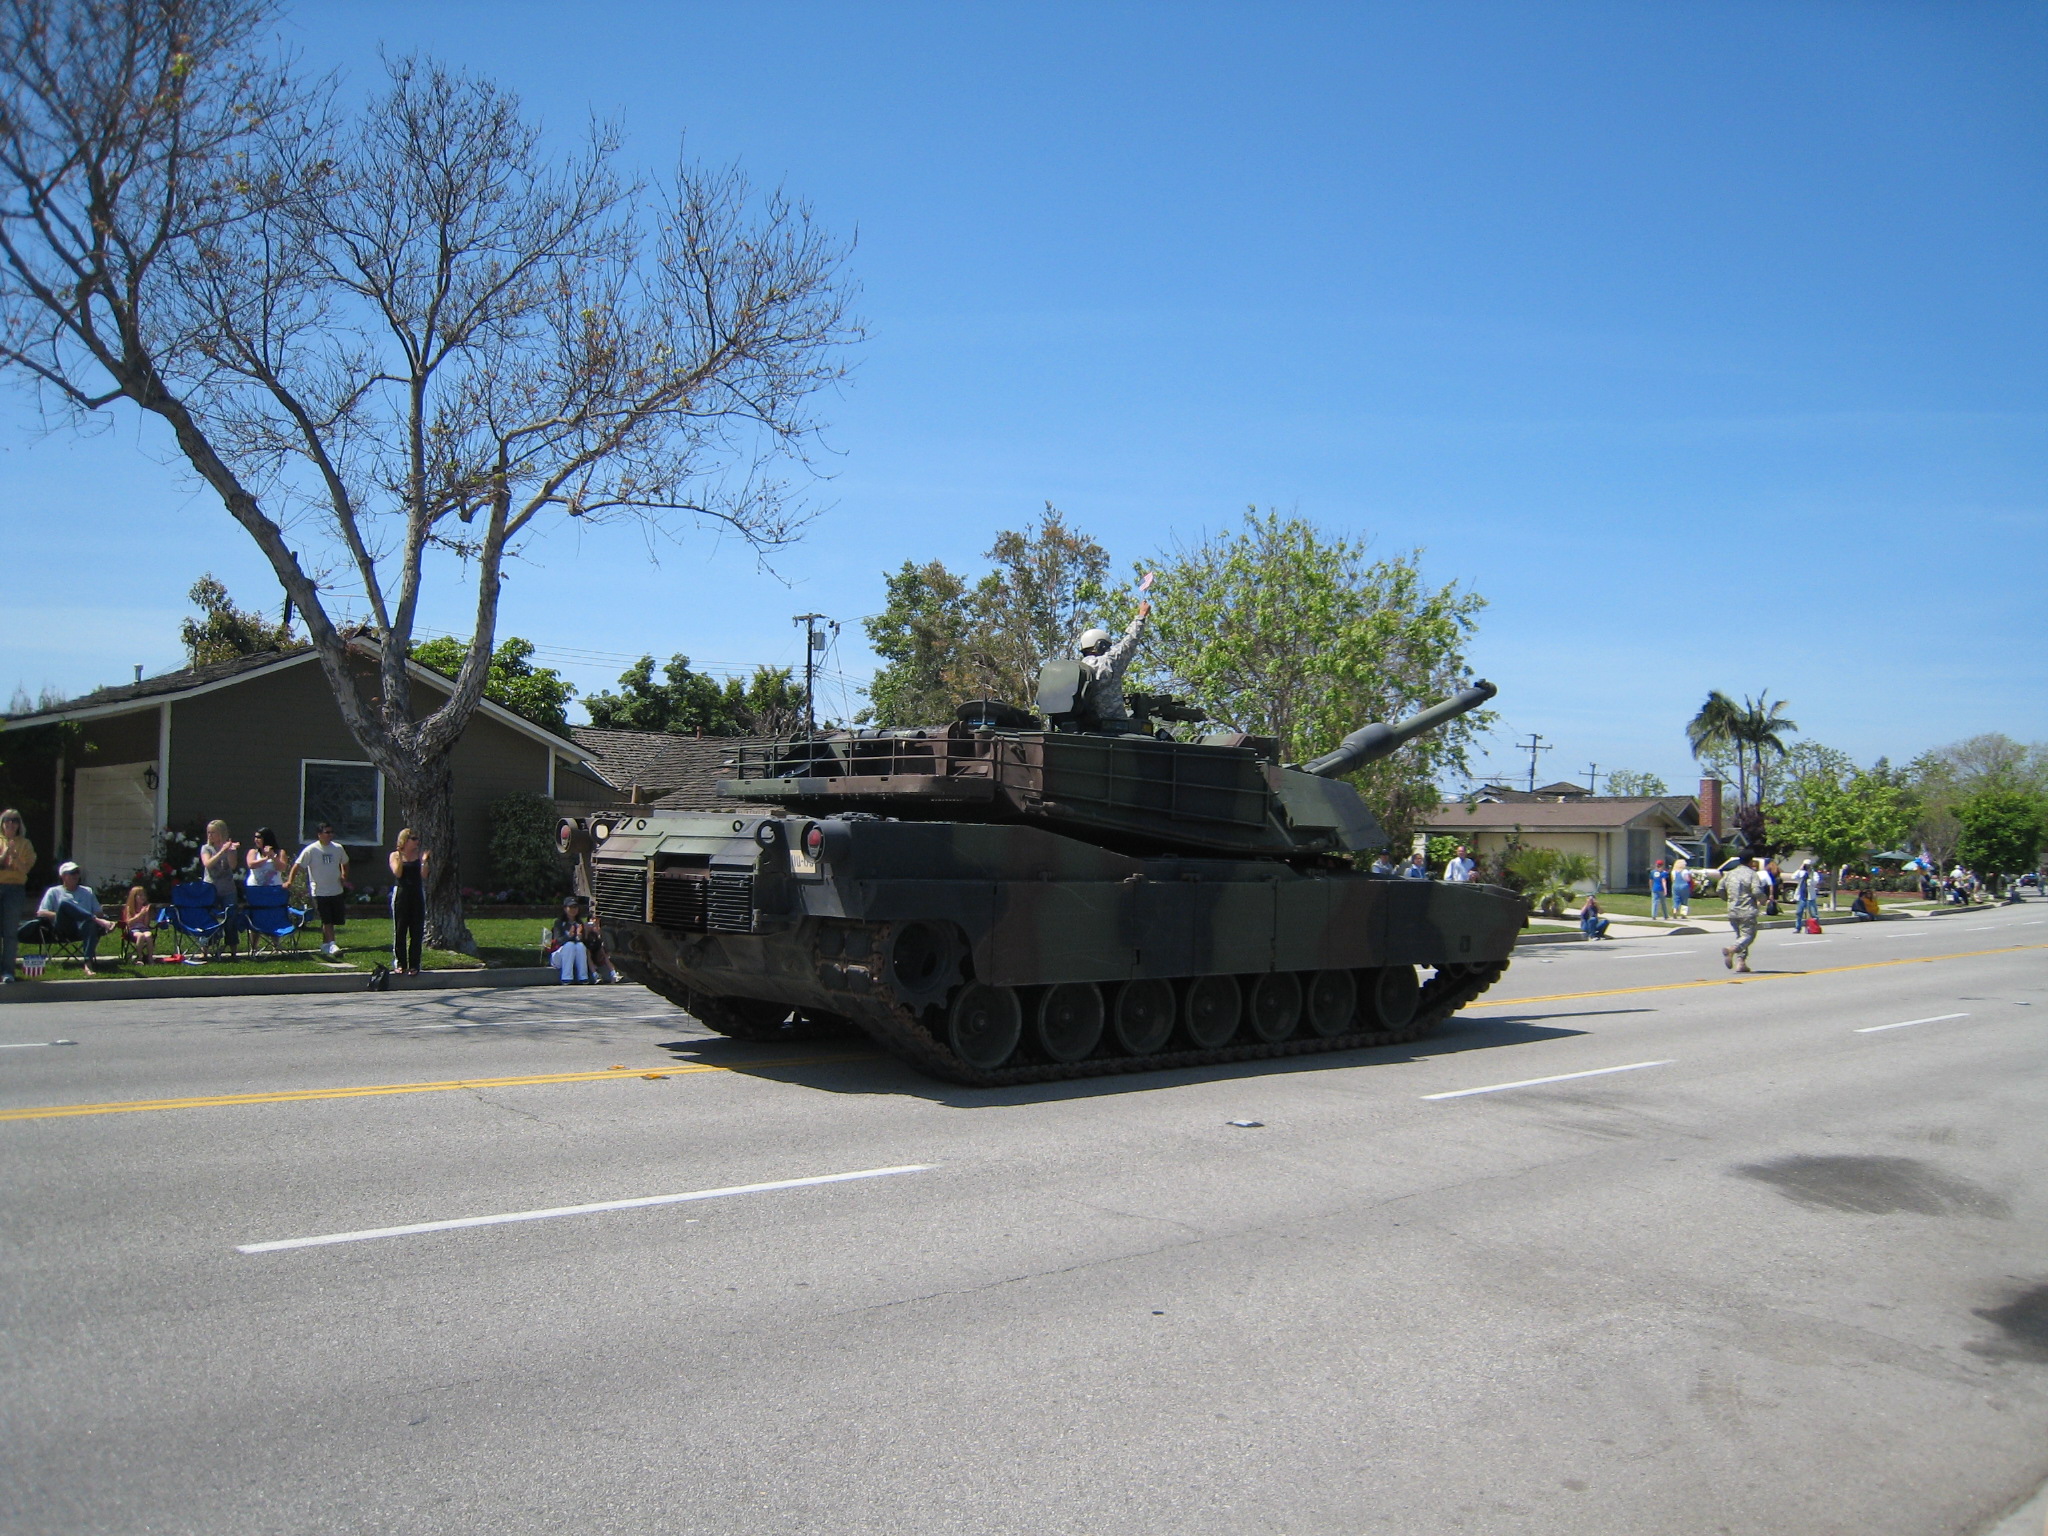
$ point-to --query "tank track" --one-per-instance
(901, 1032)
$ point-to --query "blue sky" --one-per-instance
(1708, 343)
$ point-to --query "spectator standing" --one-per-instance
(1383, 863)
(267, 863)
(1461, 868)
(1417, 867)
(1806, 892)
(1660, 892)
(220, 861)
(567, 952)
(17, 858)
(138, 923)
(1746, 888)
(73, 911)
(408, 902)
(1591, 923)
(1681, 888)
(326, 865)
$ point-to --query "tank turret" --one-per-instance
(1225, 793)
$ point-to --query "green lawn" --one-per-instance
(365, 942)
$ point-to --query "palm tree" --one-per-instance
(1715, 729)
(1763, 728)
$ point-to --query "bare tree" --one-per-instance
(397, 342)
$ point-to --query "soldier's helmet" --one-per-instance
(1094, 641)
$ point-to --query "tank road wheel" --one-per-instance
(1274, 1008)
(1391, 995)
(984, 1025)
(1209, 1006)
(1068, 1021)
(1331, 998)
(1141, 1016)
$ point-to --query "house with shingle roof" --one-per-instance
(663, 768)
(1624, 836)
(259, 741)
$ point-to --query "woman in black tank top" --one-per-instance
(408, 903)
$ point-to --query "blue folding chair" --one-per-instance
(270, 915)
(195, 914)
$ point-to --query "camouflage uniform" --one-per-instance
(1106, 675)
(1744, 888)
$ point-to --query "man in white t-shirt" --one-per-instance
(326, 864)
(1461, 868)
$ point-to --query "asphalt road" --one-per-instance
(1788, 1273)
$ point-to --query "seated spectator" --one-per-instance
(73, 912)
(565, 947)
(594, 946)
(138, 923)
(1591, 923)
(1862, 909)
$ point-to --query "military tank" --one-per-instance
(1017, 897)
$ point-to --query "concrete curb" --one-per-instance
(268, 986)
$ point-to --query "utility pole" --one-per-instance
(1532, 746)
(1592, 778)
(814, 642)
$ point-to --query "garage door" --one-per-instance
(113, 824)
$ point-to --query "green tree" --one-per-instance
(1711, 735)
(222, 631)
(919, 635)
(1944, 778)
(1629, 782)
(1278, 629)
(770, 703)
(539, 694)
(1550, 877)
(2002, 830)
(1842, 812)
(943, 637)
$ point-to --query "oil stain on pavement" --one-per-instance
(1874, 1186)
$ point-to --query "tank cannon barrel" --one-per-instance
(1370, 743)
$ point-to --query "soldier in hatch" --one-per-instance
(1106, 660)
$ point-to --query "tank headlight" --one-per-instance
(768, 834)
(600, 830)
(814, 840)
(564, 830)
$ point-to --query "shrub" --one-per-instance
(1551, 877)
(524, 858)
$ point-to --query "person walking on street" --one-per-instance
(17, 858)
(326, 865)
(1746, 889)
(1460, 869)
(1660, 893)
(1806, 891)
(1681, 889)
(408, 902)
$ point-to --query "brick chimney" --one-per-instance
(1710, 806)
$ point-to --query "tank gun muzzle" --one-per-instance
(1370, 743)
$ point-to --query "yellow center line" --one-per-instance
(1737, 981)
(301, 1095)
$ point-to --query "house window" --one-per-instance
(350, 796)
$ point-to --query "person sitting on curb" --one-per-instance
(73, 912)
(565, 948)
(1591, 923)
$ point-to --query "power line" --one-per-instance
(1532, 746)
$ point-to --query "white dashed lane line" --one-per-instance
(641, 1202)
(1532, 1082)
(1871, 1029)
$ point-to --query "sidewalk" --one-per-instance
(1622, 928)
(268, 986)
